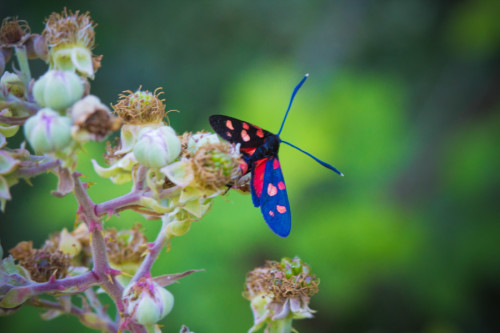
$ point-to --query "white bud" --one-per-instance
(58, 90)
(155, 148)
(47, 131)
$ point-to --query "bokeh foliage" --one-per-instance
(403, 97)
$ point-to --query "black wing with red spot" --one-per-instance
(269, 192)
(239, 131)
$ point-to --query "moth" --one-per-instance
(259, 149)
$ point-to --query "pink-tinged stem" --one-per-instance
(104, 272)
(98, 246)
(104, 323)
(38, 169)
(13, 120)
(82, 282)
(153, 253)
(111, 206)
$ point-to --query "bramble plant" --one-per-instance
(174, 178)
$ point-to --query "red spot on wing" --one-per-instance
(258, 176)
(245, 136)
(260, 133)
(229, 124)
(281, 209)
(271, 213)
(248, 151)
(281, 185)
(271, 190)
(245, 126)
(276, 164)
(229, 134)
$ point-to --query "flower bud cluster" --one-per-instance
(280, 291)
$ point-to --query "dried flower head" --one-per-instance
(78, 239)
(13, 32)
(280, 292)
(40, 263)
(140, 107)
(70, 28)
(126, 246)
(285, 279)
(215, 165)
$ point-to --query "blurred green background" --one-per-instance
(403, 97)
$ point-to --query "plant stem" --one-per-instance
(22, 60)
(280, 326)
(98, 246)
(112, 205)
(82, 281)
(99, 256)
(153, 253)
(102, 324)
(38, 169)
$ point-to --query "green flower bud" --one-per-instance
(156, 148)
(47, 131)
(58, 90)
(13, 84)
(147, 303)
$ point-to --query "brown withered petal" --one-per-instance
(96, 62)
(22, 250)
(93, 117)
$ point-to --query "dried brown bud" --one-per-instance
(92, 120)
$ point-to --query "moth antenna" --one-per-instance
(326, 165)
(291, 100)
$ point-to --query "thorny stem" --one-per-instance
(99, 255)
(82, 281)
(103, 323)
(113, 205)
(153, 252)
